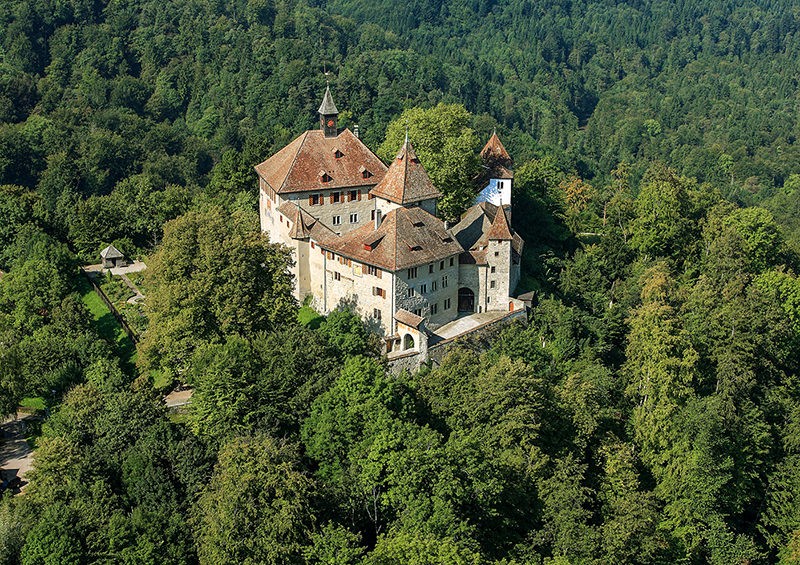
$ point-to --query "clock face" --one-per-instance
(330, 123)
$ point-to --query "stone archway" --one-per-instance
(466, 300)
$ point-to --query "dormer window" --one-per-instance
(365, 174)
(325, 177)
(419, 224)
(338, 154)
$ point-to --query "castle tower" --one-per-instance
(328, 115)
(497, 171)
(406, 184)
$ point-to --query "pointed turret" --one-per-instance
(495, 153)
(500, 230)
(328, 114)
(406, 181)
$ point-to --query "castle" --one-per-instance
(366, 236)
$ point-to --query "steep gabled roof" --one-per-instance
(111, 252)
(406, 181)
(479, 224)
(304, 225)
(496, 160)
(327, 107)
(299, 166)
(499, 230)
(495, 151)
(407, 237)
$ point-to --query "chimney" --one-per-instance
(355, 131)
(377, 219)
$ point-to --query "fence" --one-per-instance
(111, 307)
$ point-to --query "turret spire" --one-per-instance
(328, 114)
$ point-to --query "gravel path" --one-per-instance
(16, 456)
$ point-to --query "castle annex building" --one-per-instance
(367, 236)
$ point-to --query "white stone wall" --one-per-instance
(326, 211)
(385, 206)
(316, 268)
(352, 286)
(423, 301)
(497, 192)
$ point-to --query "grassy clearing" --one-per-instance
(309, 317)
(106, 324)
(33, 403)
(161, 380)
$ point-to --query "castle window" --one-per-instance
(497, 254)
(418, 311)
(337, 276)
(374, 271)
(434, 309)
(337, 220)
(376, 313)
(411, 273)
(492, 284)
(378, 291)
(354, 195)
(444, 281)
(315, 200)
(434, 285)
(441, 265)
(410, 292)
(451, 261)
(423, 288)
(488, 299)
(336, 197)
(372, 215)
(447, 304)
(430, 268)
(494, 269)
(353, 218)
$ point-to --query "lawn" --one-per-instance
(106, 324)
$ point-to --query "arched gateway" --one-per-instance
(466, 300)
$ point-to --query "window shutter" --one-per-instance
(310, 200)
(359, 195)
(331, 198)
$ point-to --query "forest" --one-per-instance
(647, 412)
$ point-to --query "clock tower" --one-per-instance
(328, 115)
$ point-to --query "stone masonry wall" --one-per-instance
(479, 339)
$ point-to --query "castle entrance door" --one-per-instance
(466, 300)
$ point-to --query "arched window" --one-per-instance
(408, 342)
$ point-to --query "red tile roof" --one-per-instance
(408, 318)
(495, 151)
(407, 237)
(299, 166)
(478, 225)
(500, 230)
(406, 181)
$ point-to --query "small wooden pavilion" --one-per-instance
(112, 257)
